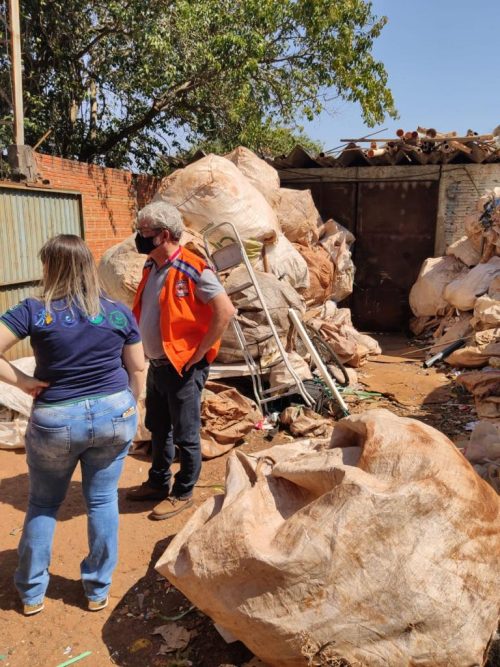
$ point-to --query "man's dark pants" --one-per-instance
(173, 405)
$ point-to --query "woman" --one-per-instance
(88, 376)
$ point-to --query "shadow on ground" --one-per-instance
(14, 492)
(69, 591)
(153, 602)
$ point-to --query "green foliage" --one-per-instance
(265, 139)
(122, 80)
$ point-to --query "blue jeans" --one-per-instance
(96, 432)
(173, 406)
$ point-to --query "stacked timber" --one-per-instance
(427, 146)
(421, 146)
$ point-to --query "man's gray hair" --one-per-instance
(164, 215)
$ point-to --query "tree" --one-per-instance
(119, 81)
(267, 140)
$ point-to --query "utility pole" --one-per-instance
(21, 158)
(17, 78)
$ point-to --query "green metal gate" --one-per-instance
(28, 218)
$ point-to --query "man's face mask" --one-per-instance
(146, 245)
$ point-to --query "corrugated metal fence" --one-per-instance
(28, 218)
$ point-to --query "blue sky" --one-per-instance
(443, 62)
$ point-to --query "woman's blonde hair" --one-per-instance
(70, 273)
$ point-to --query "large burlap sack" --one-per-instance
(120, 270)
(226, 417)
(13, 398)
(12, 433)
(337, 241)
(483, 451)
(213, 190)
(480, 348)
(426, 295)
(15, 408)
(282, 259)
(485, 237)
(486, 313)
(464, 290)
(344, 269)
(456, 327)
(321, 274)
(484, 443)
(298, 216)
(333, 228)
(335, 325)
(261, 175)
(304, 422)
(464, 250)
(494, 288)
(485, 386)
(321, 556)
(278, 295)
(474, 232)
(280, 375)
(423, 324)
(487, 223)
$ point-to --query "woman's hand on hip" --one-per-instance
(32, 386)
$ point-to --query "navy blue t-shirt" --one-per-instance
(79, 356)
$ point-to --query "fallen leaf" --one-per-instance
(175, 637)
(139, 645)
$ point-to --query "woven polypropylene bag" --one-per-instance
(378, 550)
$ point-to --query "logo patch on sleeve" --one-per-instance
(69, 319)
(117, 319)
(181, 288)
(43, 319)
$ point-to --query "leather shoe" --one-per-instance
(147, 492)
(170, 507)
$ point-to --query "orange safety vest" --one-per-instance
(184, 319)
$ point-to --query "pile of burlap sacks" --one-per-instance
(458, 296)
(299, 261)
(378, 547)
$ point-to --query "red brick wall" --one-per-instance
(145, 188)
(110, 197)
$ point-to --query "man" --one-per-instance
(182, 310)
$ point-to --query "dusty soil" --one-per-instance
(141, 600)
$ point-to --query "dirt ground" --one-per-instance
(141, 600)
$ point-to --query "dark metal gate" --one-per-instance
(394, 222)
(395, 230)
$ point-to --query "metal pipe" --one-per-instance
(444, 353)
(330, 383)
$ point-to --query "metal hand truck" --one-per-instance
(230, 255)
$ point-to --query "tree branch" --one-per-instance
(129, 130)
